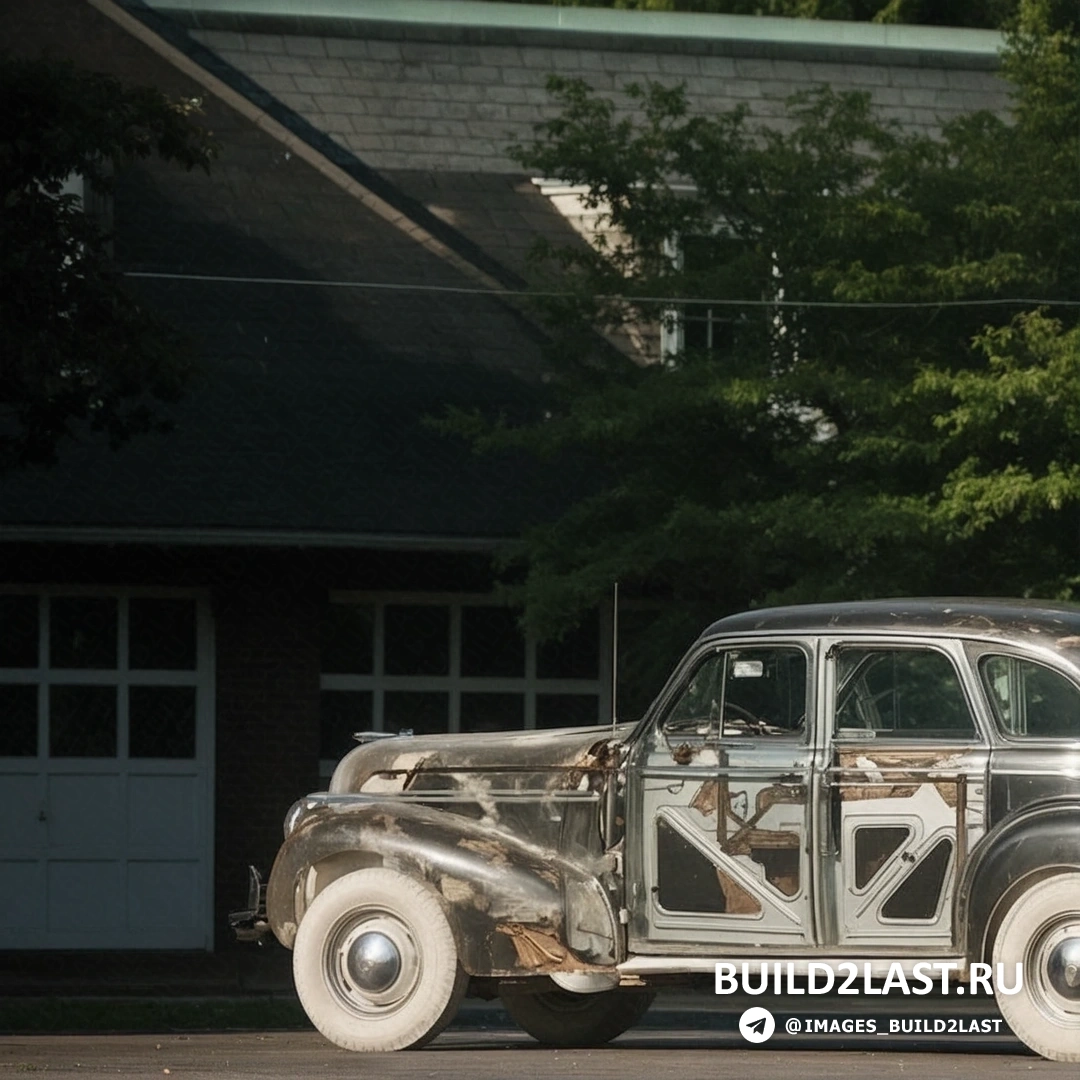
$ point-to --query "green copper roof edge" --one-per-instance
(479, 14)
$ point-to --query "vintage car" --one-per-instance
(878, 782)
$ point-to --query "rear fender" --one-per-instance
(1034, 842)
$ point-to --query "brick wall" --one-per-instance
(267, 637)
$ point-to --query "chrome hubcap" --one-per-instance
(1063, 968)
(1053, 971)
(373, 962)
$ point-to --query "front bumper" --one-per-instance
(250, 923)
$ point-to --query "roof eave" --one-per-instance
(480, 21)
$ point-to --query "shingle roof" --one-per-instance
(503, 213)
(311, 410)
(338, 151)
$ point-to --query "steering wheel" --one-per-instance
(741, 713)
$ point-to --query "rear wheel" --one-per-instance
(375, 962)
(1041, 932)
(561, 1018)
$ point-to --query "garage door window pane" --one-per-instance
(82, 721)
(567, 710)
(491, 643)
(492, 712)
(161, 721)
(82, 632)
(348, 639)
(416, 711)
(417, 639)
(162, 634)
(341, 714)
(18, 631)
(18, 721)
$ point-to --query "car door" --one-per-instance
(719, 803)
(903, 798)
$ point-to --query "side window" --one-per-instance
(739, 692)
(1031, 699)
(901, 693)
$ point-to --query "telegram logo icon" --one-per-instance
(757, 1025)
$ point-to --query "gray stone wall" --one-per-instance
(456, 106)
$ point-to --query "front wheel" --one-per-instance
(375, 962)
(1041, 932)
(561, 1018)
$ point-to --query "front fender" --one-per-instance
(1037, 837)
(514, 909)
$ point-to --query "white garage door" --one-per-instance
(106, 755)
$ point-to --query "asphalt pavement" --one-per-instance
(461, 1054)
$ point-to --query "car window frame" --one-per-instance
(952, 648)
(654, 721)
(976, 651)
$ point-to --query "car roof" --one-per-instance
(976, 617)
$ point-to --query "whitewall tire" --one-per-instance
(1041, 931)
(375, 962)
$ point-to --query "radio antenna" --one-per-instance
(614, 657)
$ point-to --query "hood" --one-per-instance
(427, 762)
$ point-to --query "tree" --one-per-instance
(76, 348)
(883, 410)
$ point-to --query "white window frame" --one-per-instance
(202, 678)
(673, 320)
(454, 684)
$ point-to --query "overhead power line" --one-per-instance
(390, 286)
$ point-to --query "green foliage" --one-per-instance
(883, 415)
(1016, 419)
(76, 349)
